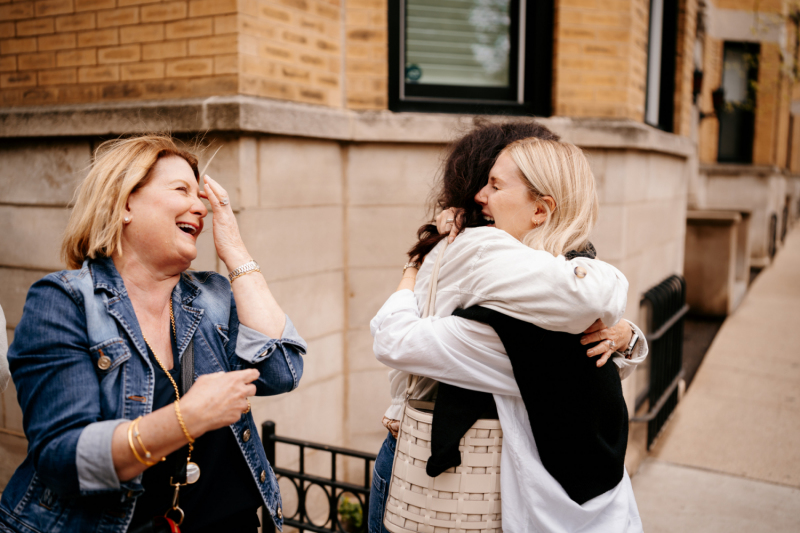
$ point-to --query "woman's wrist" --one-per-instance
(408, 280)
(193, 421)
(236, 259)
(627, 334)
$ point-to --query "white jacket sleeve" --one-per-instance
(452, 350)
(638, 355)
(536, 287)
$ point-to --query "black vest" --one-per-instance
(576, 410)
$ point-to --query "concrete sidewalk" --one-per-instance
(729, 460)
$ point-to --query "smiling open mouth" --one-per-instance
(489, 220)
(187, 228)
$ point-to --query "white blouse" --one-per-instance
(469, 354)
(488, 265)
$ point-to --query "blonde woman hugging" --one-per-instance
(510, 308)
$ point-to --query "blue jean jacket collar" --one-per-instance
(107, 278)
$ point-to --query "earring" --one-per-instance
(127, 219)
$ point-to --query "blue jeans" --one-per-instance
(379, 492)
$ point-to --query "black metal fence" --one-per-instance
(342, 514)
(772, 238)
(667, 303)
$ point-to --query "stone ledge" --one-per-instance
(741, 169)
(261, 115)
(712, 217)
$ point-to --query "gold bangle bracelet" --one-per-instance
(183, 425)
(133, 446)
(237, 276)
(138, 437)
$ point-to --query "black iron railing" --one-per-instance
(772, 243)
(667, 303)
(341, 515)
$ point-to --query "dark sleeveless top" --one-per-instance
(225, 498)
(576, 410)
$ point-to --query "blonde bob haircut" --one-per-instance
(560, 170)
(120, 168)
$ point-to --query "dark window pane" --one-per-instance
(458, 42)
(737, 118)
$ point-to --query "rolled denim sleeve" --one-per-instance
(280, 361)
(254, 346)
(93, 457)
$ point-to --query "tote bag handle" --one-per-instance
(428, 309)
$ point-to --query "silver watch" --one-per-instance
(629, 350)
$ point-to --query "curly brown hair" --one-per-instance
(466, 171)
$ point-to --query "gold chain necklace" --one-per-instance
(192, 470)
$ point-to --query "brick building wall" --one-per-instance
(712, 78)
(326, 52)
(73, 51)
(600, 63)
(67, 51)
(291, 50)
(684, 67)
(366, 54)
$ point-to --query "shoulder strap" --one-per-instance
(187, 378)
(428, 310)
(187, 368)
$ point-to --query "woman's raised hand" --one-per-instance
(611, 339)
(227, 240)
(217, 400)
(449, 221)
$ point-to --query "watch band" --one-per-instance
(250, 266)
(629, 350)
(410, 264)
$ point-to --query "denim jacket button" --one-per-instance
(246, 435)
(279, 513)
(263, 477)
(104, 362)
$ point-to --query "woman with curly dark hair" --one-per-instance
(520, 272)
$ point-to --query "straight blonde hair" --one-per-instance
(120, 168)
(560, 170)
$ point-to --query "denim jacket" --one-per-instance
(81, 368)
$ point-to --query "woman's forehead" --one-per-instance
(172, 167)
(504, 169)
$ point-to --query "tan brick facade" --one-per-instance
(600, 63)
(712, 77)
(334, 53)
(366, 55)
(684, 67)
(69, 51)
(326, 52)
(290, 50)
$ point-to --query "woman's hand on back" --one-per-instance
(611, 339)
(217, 400)
(449, 221)
(227, 239)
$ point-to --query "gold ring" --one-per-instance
(248, 407)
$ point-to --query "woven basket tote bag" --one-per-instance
(462, 499)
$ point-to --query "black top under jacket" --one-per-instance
(226, 495)
(576, 410)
